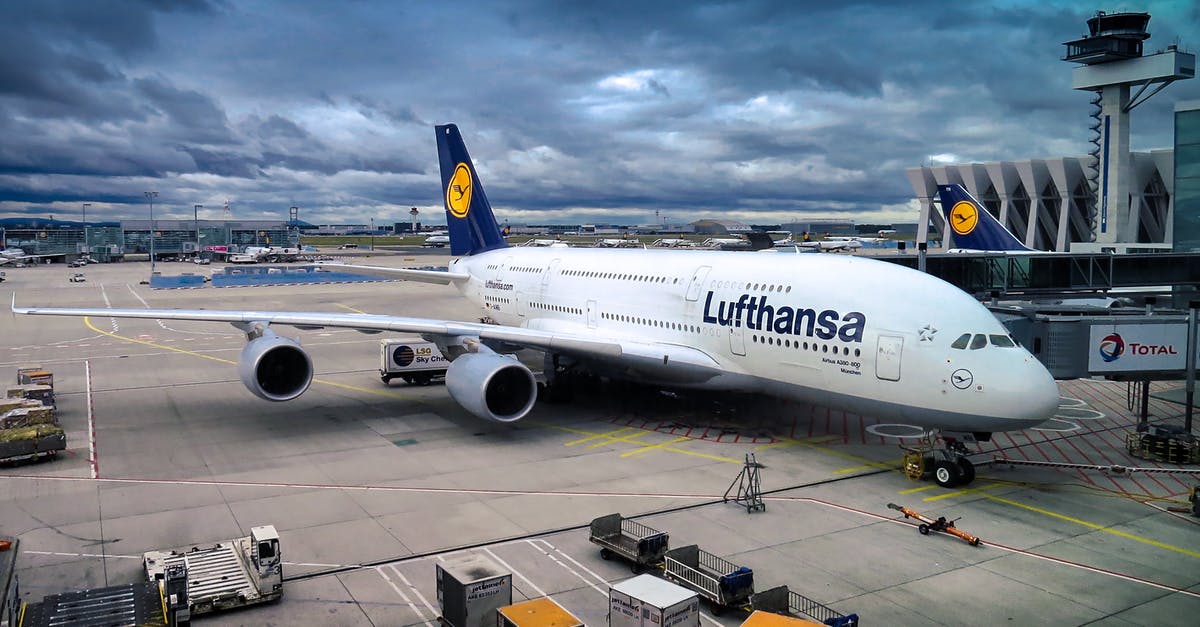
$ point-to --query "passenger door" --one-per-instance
(887, 357)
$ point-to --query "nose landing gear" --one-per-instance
(947, 465)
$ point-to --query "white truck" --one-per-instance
(413, 360)
(232, 573)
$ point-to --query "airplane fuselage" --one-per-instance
(846, 332)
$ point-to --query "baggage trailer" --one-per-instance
(413, 360)
(31, 443)
(630, 540)
(233, 573)
(780, 600)
(723, 583)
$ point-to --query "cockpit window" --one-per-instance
(1002, 341)
(962, 341)
(979, 341)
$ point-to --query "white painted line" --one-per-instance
(516, 572)
(93, 459)
(414, 590)
(547, 554)
(415, 609)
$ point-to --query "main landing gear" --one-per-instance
(947, 465)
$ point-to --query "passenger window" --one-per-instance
(979, 341)
(1001, 340)
(962, 341)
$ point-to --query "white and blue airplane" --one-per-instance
(974, 229)
(845, 332)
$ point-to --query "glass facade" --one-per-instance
(1186, 237)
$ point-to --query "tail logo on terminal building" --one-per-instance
(458, 191)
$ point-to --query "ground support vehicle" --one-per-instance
(629, 540)
(31, 443)
(780, 600)
(723, 583)
(233, 573)
(413, 360)
(939, 524)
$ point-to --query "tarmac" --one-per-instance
(370, 485)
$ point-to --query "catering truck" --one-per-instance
(413, 360)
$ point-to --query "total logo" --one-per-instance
(1113, 346)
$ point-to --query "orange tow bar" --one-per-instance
(940, 524)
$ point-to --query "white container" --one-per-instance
(647, 601)
(470, 588)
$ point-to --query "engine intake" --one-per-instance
(275, 368)
(491, 386)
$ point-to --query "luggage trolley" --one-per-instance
(723, 583)
(631, 540)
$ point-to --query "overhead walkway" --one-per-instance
(985, 273)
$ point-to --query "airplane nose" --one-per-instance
(1039, 401)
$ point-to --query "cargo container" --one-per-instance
(413, 360)
(647, 601)
(470, 588)
(542, 612)
(760, 618)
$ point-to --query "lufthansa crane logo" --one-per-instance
(963, 217)
(458, 191)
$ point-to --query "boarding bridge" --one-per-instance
(1056, 273)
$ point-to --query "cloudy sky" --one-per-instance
(574, 111)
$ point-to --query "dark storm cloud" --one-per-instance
(694, 107)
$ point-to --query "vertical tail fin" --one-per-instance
(469, 216)
(971, 225)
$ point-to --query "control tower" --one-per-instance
(1111, 64)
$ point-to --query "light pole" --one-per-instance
(372, 234)
(196, 223)
(86, 249)
(150, 196)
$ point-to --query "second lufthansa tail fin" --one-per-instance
(469, 216)
(972, 227)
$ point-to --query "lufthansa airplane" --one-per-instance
(846, 332)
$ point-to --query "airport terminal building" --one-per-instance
(109, 242)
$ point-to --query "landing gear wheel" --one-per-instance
(947, 474)
(967, 469)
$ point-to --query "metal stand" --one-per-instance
(749, 489)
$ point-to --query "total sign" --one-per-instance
(1126, 347)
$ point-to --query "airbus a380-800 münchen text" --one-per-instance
(845, 332)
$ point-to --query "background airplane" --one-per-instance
(972, 228)
(846, 332)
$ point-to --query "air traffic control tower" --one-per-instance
(1111, 64)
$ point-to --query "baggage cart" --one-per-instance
(723, 583)
(630, 540)
(31, 443)
(780, 600)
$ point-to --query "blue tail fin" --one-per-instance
(469, 216)
(972, 227)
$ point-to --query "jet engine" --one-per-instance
(491, 386)
(275, 368)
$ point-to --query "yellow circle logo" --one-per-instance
(963, 217)
(458, 191)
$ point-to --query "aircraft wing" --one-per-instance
(441, 277)
(678, 362)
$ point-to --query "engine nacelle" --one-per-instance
(275, 368)
(491, 386)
